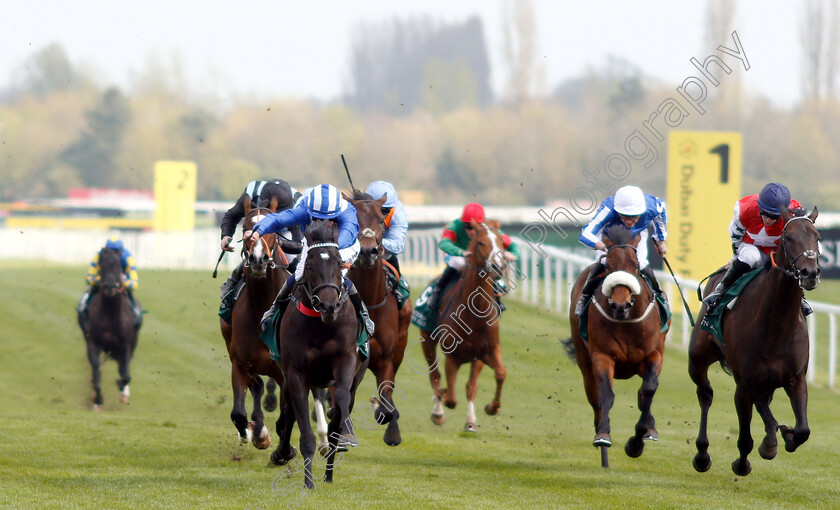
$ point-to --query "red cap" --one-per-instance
(473, 211)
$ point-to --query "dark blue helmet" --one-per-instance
(773, 197)
(114, 243)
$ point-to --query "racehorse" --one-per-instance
(468, 330)
(318, 349)
(264, 274)
(624, 339)
(111, 325)
(765, 345)
(387, 346)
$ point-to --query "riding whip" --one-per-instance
(348, 174)
(216, 269)
(685, 303)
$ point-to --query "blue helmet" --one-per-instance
(114, 243)
(325, 201)
(378, 189)
(773, 197)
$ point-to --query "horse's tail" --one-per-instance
(724, 364)
(569, 347)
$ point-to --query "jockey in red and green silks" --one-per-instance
(130, 280)
(455, 241)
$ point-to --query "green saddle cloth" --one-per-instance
(226, 313)
(713, 322)
(662, 307)
(399, 287)
(423, 316)
(270, 336)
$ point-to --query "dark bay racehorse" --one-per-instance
(264, 273)
(624, 339)
(318, 350)
(387, 346)
(468, 330)
(765, 345)
(111, 325)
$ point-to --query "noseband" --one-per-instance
(793, 270)
(632, 296)
(246, 254)
(312, 293)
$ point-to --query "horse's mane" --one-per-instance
(360, 195)
(322, 231)
(619, 234)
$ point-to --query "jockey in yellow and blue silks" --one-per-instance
(130, 281)
(637, 210)
(323, 202)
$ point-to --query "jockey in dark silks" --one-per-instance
(256, 194)
(130, 283)
(323, 202)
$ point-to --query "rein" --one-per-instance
(650, 307)
(792, 270)
(312, 293)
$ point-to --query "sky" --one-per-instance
(301, 48)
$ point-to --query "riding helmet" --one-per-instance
(773, 197)
(630, 201)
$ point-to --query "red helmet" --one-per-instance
(473, 211)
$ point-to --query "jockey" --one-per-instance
(455, 241)
(396, 223)
(636, 210)
(324, 202)
(129, 282)
(755, 231)
(256, 194)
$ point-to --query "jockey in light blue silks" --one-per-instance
(396, 227)
(323, 202)
(637, 210)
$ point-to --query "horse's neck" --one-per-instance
(781, 295)
(370, 282)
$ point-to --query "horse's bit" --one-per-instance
(312, 294)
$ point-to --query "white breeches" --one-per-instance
(455, 261)
(641, 251)
(750, 254)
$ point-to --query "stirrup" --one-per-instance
(266, 318)
(581, 304)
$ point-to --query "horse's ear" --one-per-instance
(382, 200)
(347, 196)
(474, 224)
(785, 213)
(274, 204)
(813, 215)
(494, 223)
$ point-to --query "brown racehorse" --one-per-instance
(387, 346)
(765, 345)
(468, 330)
(624, 339)
(318, 350)
(264, 274)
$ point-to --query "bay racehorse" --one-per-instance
(468, 330)
(765, 345)
(387, 346)
(318, 349)
(625, 338)
(111, 325)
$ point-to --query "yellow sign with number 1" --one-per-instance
(175, 195)
(704, 182)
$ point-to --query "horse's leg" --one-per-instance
(270, 401)
(239, 415)
(387, 411)
(743, 405)
(319, 397)
(284, 451)
(768, 448)
(125, 375)
(93, 352)
(299, 396)
(646, 426)
(450, 400)
(699, 358)
(602, 369)
(263, 438)
(430, 352)
(797, 391)
(472, 389)
(500, 373)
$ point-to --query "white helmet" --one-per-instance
(630, 201)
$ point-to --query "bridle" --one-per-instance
(246, 254)
(638, 270)
(792, 269)
(312, 293)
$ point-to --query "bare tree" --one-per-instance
(526, 77)
(820, 41)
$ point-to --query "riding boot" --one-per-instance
(448, 274)
(230, 285)
(654, 283)
(136, 309)
(592, 282)
(280, 302)
(82, 310)
(806, 308)
(392, 259)
(735, 271)
(361, 309)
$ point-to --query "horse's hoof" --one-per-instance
(438, 419)
(324, 449)
(270, 403)
(741, 468)
(492, 408)
(701, 462)
(470, 427)
(264, 440)
(279, 459)
(347, 439)
(767, 452)
(602, 440)
(249, 434)
(123, 399)
(651, 435)
(634, 447)
(392, 439)
(450, 403)
(96, 407)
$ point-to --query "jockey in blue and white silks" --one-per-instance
(637, 211)
(323, 202)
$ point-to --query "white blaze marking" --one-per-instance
(325, 256)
